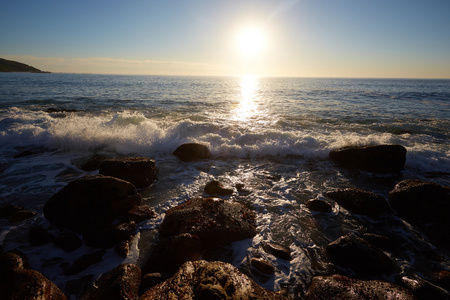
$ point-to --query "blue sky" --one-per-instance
(325, 38)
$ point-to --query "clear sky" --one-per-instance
(315, 38)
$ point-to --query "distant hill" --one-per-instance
(14, 66)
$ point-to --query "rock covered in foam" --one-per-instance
(208, 280)
(379, 158)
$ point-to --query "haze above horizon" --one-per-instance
(302, 38)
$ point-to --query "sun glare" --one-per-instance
(251, 41)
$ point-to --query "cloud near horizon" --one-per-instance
(105, 65)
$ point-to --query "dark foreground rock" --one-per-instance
(192, 151)
(342, 287)
(215, 188)
(318, 205)
(212, 220)
(91, 201)
(352, 252)
(140, 171)
(121, 282)
(360, 201)
(426, 205)
(381, 158)
(15, 213)
(190, 228)
(16, 282)
(209, 280)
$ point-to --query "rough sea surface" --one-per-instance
(271, 134)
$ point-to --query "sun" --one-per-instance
(251, 41)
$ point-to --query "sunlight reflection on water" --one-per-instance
(247, 107)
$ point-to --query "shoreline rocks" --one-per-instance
(380, 158)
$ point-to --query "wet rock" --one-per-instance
(360, 201)
(85, 262)
(107, 237)
(171, 252)
(277, 250)
(78, 287)
(90, 202)
(68, 241)
(16, 282)
(140, 171)
(424, 290)
(342, 287)
(90, 163)
(123, 248)
(121, 282)
(213, 220)
(39, 236)
(215, 188)
(208, 280)
(140, 213)
(426, 205)
(192, 151)
(381, 241)
(242, 189)
(60, 110)
(380, 158)
(150, 280)
(16, 213)
(262, 266)
(351, 251)
(318, 205)
(442, 279)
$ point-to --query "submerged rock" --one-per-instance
(140, 171)
(351, 251)
(16, 282)
(16, 213)
(192, 151)
(262, 266)
(91, 201)
(277, 250)
(208, 280)
(342, 287)
(121, 282)
(360, 201)
(90, 163)
(426, 205)
(84, 262)
(380, 158)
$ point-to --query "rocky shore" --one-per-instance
(104, 211)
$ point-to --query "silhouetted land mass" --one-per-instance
(14, 66)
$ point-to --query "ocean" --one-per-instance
(271, 134)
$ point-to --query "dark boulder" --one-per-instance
(39, 236)
(277, 250)
(192, 151)
(108, 236)
(318, 205)
(342, 287)
(140, 213)
(422, 289)
(68, 241)
(426, 205)
(84, 262)
(215, 188)
(360, 201)
(351, 251)
(91, 201)
(213, 220)
(140, 171)
(121, 283)
(262, 266)
(380, 158)
(208, 280)
(15, 213)
(16, 282)
(150, 280)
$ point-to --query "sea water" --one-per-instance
(271, 134)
